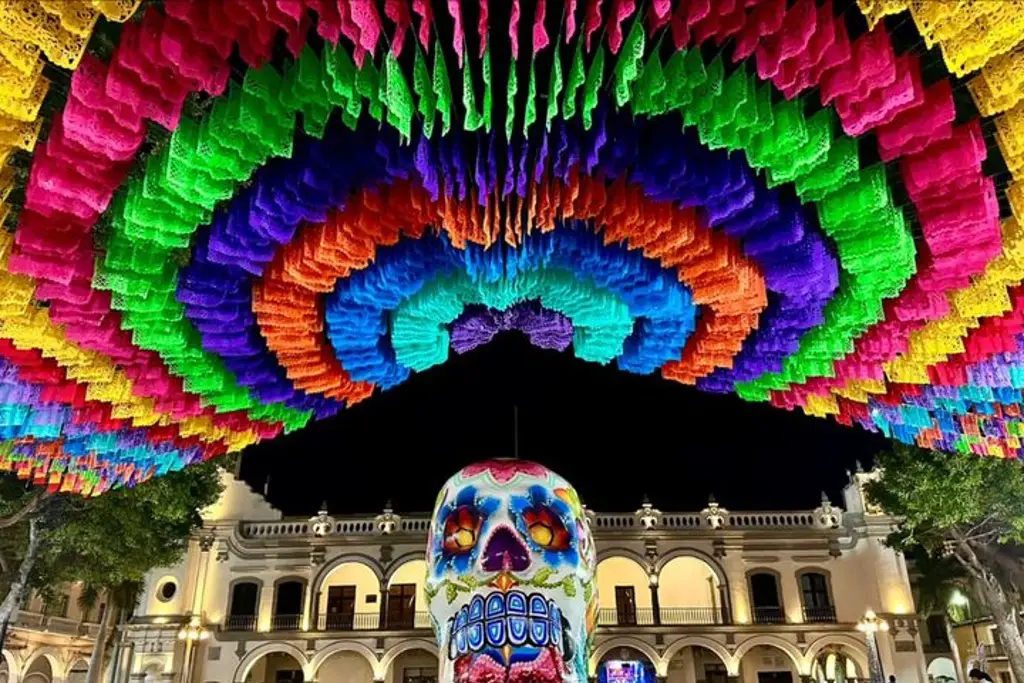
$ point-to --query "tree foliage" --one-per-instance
(965, 509)
(113, 539)
(940, 496)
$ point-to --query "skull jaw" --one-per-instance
(516, 665)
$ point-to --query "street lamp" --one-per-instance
(870, 624)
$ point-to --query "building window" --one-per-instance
(242, 611)
(288, 606)
(766, 600)
(1005, 677)
(936, 624)
(420, 675)
(817, 599)
(401, 606)
(341, 608)
(57, 606)
(168, 589)
(625, 606)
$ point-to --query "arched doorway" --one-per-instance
(78, 671)
(349, 599)
(697, 664)
(625, 592)
(412, 665)
(39, 671)
(942, 670)
(689, 592)
(276, 667)
(345, 667)
(405, 602)
(836, 666)
(626, 665)
(766, 661)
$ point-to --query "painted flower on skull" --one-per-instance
(511, 579)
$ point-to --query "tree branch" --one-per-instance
(34, 503)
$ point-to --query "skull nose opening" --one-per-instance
(505, 551)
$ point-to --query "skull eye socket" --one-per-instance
(545, 528)
(462, 530)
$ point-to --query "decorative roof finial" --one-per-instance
(387, 521)
(647, 514)
(714, 514)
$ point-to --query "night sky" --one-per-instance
(615, 435)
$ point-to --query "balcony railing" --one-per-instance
(769, 615)
(240, 622)
(820, 615)
(371, 621)
(286, 622)
(994, 650)
(669, 616)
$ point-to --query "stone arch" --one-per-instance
(641, 646)
(618, 571)
(778, 643)
(346, 646)
(721, 595)
(411, 570)
(401, 648)
(369, 596)
(13, 664)
(852, 647)
(618, 551)
(53, 658)
(732, 664)
(357, 558)
(400, 562)
(245, 666)
(75, 661)
(941, 667)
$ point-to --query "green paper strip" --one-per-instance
(510, 107)
(592, 88)
(577, 77)
(399, 98)
(627, 69)
(555, 85)
(426, 103)
(442, 88)
(531, 100)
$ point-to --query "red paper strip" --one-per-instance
(365, 16)
(593, 20)
(570, 20)
(426, 14)
(513, 28)
(621, 10)
(398, 12)
(659, 14)
(482, 27)
(458, 33)
(540, 33)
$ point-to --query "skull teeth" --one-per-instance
(500, 619)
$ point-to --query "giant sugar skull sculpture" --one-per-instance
(511, 576)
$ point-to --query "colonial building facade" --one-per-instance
(51, 642)
(714, 596)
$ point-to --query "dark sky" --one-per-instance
(615, 435)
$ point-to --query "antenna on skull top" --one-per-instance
(515, 432)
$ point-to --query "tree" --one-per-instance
(108, 542)
(970, 510)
